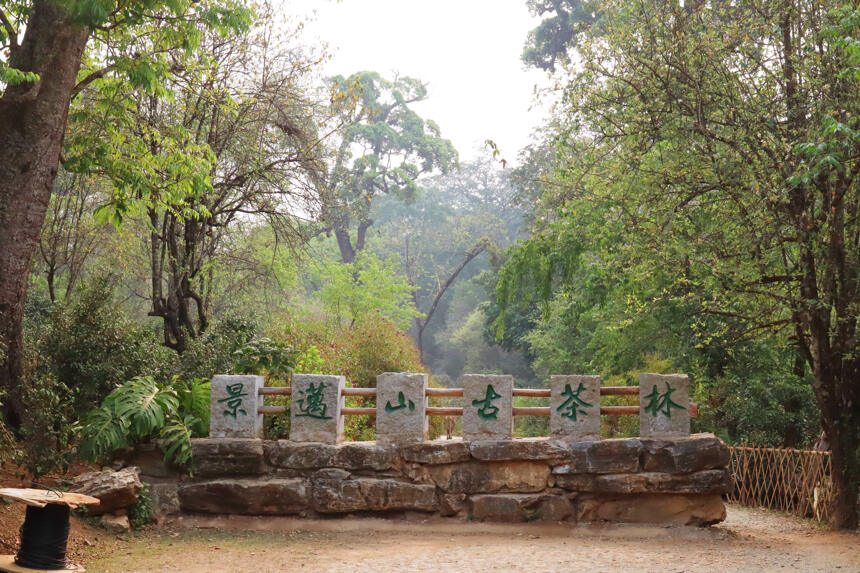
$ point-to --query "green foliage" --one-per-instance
(140, 514)
(141, 410)
(353, 291)
(272, 358)
(89, 344)
(359, 352)
(47, 434)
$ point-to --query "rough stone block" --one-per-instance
(487, 407)
(664, 401)
(685, 455)
(506, 508)
(233, 407)
(520, 449)
(603, 457)
(359, 456)
(575, 407)
(315, 408)
(246, 496)
(485, 477)
(401, 405)
(227, 457)
(165, 498)
(666, 509)
(436, 452)
(299, 455)
(114, 490)
(452, 504)
(368, 494)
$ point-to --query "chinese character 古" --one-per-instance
(234, 399)
(487, 411)
(661, 403)
(312, 404)
(573, 403)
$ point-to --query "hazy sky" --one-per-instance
(467, 51)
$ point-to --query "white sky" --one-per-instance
(467, 51)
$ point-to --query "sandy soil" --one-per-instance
(750, 540)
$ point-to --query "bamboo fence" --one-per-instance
(785, 479)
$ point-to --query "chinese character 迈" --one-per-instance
(312, 404)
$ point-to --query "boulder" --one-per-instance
(115, 523)
(165, 498)
(299, 455)
(114, 490)
(520, 449)
(516, 507)
(703, 482)
(684, 455)
(227, 457)
(368, 494)
(671, 509)
(603, 457)
(452, 504)
(485, 477)
(436, 452)
(364, 456)
(251, 496)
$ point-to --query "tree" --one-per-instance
(45, 42)
(385, 146)
(724, 149)
(548, 43)
(246, 119)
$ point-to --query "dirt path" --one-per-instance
(750, 540)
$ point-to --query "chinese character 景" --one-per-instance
(401, 403)
(661, 403)
(487, 411)
(574, 403)
(312, 404)
(234, 399)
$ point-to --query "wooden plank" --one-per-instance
(275, 391)
(444, 392)
(370, 392)
(619, 391)
(271, 409)
(532, 411)
(358, 411)
(433, 411)
(619, 410)
(42, 497)
(532, 392)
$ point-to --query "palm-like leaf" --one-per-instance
(144, 405)
(176, 440)
(102, 432)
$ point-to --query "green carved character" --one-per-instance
(661, 403)
(312, 404)
(234, 399)
(574, 403)
(401, 403)
(487, 411)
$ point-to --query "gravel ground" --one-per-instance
(749, 540)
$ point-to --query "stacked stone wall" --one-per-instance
(668, 481)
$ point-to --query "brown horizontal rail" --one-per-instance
(433, 411)
(358, 411)
(455, 392)
(271, 409)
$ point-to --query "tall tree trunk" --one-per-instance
(32, 124)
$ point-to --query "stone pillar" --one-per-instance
(664, 405)
(315, 408)
(574, 407)
(401, 404)
(233, 407)
(488, 402)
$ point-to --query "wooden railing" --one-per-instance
(458, 393)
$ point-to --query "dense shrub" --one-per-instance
(359, 352)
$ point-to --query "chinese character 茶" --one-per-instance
(574, 403)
